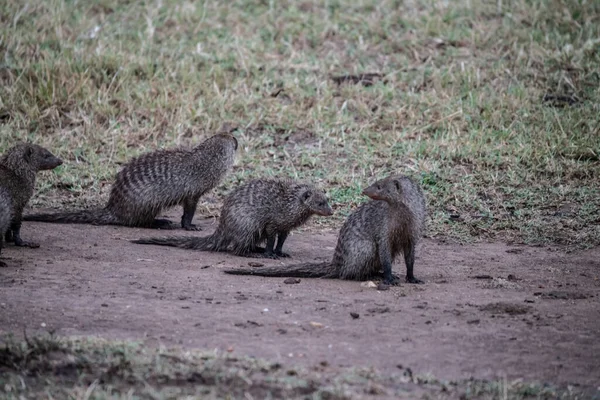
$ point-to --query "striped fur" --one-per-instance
(394, 222)
(154, 182)
(252, 213)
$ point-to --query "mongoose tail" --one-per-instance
(95, 217)
(183, 242)
(319, 270)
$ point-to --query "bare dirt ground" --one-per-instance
(486, 310)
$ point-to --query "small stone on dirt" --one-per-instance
(473, 321)
(255, 264)
(482, 277)
(205, 266)
(561, 295)
(316, 324)
(291, 281)
(511, 278)
(368, 284)
(506, 308)
(514, 251)
(103, 305)
(529, 301)
(379, 310)
(354, 315)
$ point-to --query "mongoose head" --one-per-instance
(30, 156)
(40, 158)
(316, 201)
(388, 189)
(229, 136)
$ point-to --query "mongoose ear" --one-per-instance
(236, 142)
(306, 195)
(28, 153)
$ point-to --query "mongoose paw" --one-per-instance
(393, 281)
(192, 227)
(23, 243)
(412, 279)
(282, 254)
(272, 256)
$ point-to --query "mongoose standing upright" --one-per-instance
(153, 182)
(258, 211)
(370, 239)
(5, 216)
(18, 169)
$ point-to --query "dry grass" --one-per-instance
(493, 105)
(47, 367)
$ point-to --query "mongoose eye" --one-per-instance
(397, 185)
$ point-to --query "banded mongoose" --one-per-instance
(371, 238)
(156, 181)
(257, 211)
(18, 170)
(5, 216)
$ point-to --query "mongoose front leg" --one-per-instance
(409, 259)
(189, 209)
(269, 253)
(280, 240)
(385, 258)
(16, 231)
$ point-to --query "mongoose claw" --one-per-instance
(23, 243)
(192, 227)
(412, 279)
(393, 280)
(272, 256)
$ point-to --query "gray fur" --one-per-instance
(18, 170)
(156, 181)
(371, 238)
(254, 213)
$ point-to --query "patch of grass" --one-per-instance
(51, 367)
(494, 105)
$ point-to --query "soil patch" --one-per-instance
(90, 280)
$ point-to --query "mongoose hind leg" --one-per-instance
(280, 240)
(262, 252)
(189, 209)
(409, 259)
(16, 236)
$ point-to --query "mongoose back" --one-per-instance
(156, 181)
(370, 239)
(5, 216)
(257, 211)
(18, 170)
